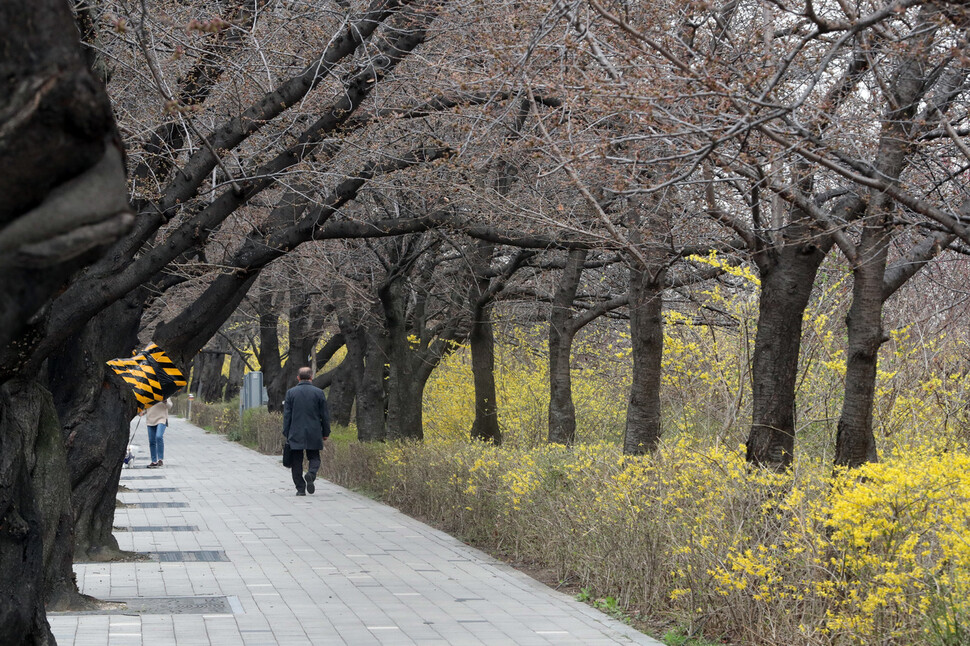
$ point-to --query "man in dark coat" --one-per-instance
(306, 424)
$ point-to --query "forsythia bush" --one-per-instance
(692, 535)
(877, 556)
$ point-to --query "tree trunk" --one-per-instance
(482, 342)
(53, 486)
(786, 287)
(269, 350)
(25, 415)
(347, 380)
(95, 408)
(562, 412)
(371, 396)
(63, 174)
(643, 418)
(481, 337)
(64, 189)
(404, 409)
(404, 418)
(302, 339)
(855, 443)
(212, 383)
(237, 368)
(303, 333)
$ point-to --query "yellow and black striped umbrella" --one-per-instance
(152, 375)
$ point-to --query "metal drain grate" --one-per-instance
(156, 505)
(142, 477)
(158, 528)
(162, 606)
(190, 556)
(155, 489)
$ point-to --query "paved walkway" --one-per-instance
(239, 559)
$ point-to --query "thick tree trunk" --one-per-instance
(482, 342)
(302, 340)
(371, 396)
(303, 333)
(643, 419)
(95, 408)
(786, 287)
(269, 350)
(347, 380)
(27, 420)
(855, 443)
(53, 486)
(237, 369)
(404, 409)
(481, 336)
(562, 412)
(64, 198)
(63, 174)
(211, 382)
(404, 419)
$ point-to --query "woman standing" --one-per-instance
(156, 418)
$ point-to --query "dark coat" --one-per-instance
(306, 420)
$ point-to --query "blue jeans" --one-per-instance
(156, 442)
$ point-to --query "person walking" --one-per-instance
(306, 425)
(156, 419)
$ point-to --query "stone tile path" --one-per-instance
(237, 558)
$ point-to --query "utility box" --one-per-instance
(253, 392)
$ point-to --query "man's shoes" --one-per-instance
(310, 487)
(301, 493)
(159, 464)
(153, 465)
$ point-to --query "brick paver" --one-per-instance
(331, 568)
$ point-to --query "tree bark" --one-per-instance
(237, 369)
(25, 409)
(63, 169)
(269, 348)
(404, 418)
(348, 376)
(855, 443)
(95, 408)
(787, 279)
(51, 482)
(372, 396)
(562, 412)
(643, 419)
(64, 199)
(212, 383)
(482, 342)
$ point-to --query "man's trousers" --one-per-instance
(313, 456)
